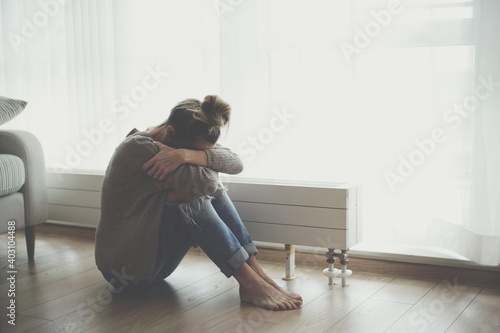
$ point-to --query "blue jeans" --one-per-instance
(210, 222)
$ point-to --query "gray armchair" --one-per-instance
(23, 192)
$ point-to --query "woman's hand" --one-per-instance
(167, 160)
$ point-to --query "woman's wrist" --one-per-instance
(194, 157)
(183, 155)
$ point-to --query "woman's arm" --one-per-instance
(191, 179)
(125, 172)
(165, 161)
(223, 160)
(168, 159)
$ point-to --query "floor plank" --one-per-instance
(68, 303)
(332, 306)
(133, 312)
(62, 291)
(239, 325)
(202, 317)
(23, 324)
(58, 289)
(408, 291)
(37, 280)
(482, 315)
(371, 316)
(438, 309)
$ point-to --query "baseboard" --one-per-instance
(470, 276)
(67, 230)
(71, 224)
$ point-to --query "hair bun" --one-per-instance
(217, 112)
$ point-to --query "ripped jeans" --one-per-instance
(210, 222)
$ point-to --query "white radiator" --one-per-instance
(309, 214)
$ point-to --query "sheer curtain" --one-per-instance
(379, 93)
(93, 69)
(58, 55)
(375, 92)
(481, 226)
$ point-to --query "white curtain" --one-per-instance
(481, 226)
(59, 56)
(91, 70)
(374, 92)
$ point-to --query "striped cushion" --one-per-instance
(11, 174)
(9, 108)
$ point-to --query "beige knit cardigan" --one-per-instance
(132, 203)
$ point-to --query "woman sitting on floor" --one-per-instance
(150, 221)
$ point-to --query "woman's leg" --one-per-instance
(252, 262)
(197, 222)
(173, 244)
(182, 226)
(228, 213)
(220, 243)
(215, 238)
(254, 289)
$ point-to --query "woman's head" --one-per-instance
(192, 120)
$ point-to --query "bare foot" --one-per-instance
(252, 262)
(255, 290)
(266, 296)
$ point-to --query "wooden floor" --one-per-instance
(62, 291)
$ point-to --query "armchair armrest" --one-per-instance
(26, 146)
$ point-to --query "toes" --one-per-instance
(290, 304)
(267, 305)
(272, 307)
(282, 302)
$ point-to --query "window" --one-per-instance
(330, 91)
